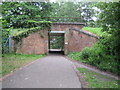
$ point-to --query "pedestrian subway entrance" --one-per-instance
(56, 42)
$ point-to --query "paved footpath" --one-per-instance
(52, 71)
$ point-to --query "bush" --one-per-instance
(98, 55)
(74, 55)
(85, 54)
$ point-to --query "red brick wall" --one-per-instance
(35, 43)
(78, 41)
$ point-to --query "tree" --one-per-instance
(78, 11)
(109, 19)
(88, 13)
(66, 9)
(18, 13)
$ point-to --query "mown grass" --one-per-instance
(10, 62)
(96, 80)
(97, 31)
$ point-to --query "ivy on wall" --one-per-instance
(20, 33)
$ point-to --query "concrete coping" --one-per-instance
(68, 23)
(85, 32)
(57, 31)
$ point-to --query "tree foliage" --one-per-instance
(109, 19)
(87, 12)
(17, 14)
(74, 12)
(66, 9)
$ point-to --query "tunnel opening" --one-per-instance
(56, 42)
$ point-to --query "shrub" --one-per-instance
(74, 55)
(85, 54)
(98, 55)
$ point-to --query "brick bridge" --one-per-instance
(70, 39)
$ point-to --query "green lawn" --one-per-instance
(96, 80)
(12, 61)
(96, 31)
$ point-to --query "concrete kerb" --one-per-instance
(95, 69)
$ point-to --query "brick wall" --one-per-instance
(80, 39)
(75, 39)
(35, 43)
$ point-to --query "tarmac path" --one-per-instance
(52, 71)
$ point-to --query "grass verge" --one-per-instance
(10, 62)
(96, 80)
(96, 31)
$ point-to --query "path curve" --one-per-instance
(52, 71)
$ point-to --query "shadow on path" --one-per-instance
(56, 52)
